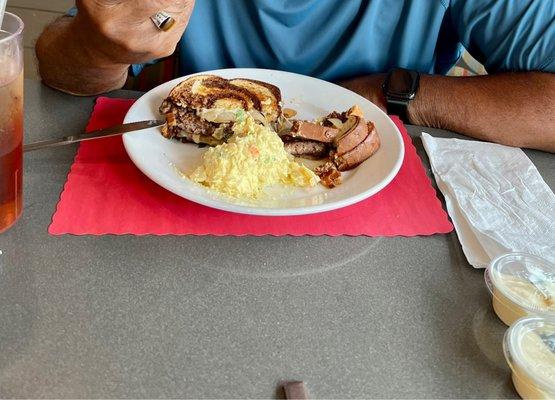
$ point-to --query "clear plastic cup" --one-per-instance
(11, 120)
(529, 347)
(521, 284)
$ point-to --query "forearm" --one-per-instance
(516, 109)
(69, 64)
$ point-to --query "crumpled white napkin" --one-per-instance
(496, 198)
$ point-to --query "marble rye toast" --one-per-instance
(201, 108)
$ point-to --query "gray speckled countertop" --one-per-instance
(209, 317)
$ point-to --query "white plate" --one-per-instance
(160, 159)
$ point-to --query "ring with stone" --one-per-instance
(163, 21)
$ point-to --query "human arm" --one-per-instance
(516, 109)
(514, 105)
(91, 53)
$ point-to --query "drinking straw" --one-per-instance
(2, 10)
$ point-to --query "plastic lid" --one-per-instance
(526, 280)
(529, 347)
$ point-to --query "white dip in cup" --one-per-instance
(521, 284)
(529, 348)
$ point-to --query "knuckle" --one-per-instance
(125, 45)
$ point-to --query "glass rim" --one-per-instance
(19, 30)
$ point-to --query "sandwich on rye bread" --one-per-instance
(203, 109)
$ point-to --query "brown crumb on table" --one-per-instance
(329, 175)
(295, 391)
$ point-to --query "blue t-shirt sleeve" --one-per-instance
(507, 35)
(136, 69)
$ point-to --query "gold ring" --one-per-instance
(163, 21)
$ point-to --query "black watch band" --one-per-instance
(399, 88)
(399, 108)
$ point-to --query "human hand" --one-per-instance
(121, 30)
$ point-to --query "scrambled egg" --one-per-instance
(253, 158)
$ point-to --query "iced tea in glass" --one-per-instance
(11, 120)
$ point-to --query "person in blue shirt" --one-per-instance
(352, 42)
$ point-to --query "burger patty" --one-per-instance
(185, 123)
(306, 148)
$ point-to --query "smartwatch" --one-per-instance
(399, 89)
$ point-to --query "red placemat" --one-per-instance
(106, 194)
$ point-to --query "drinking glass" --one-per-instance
(11, 120)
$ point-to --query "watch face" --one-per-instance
(401, 83)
